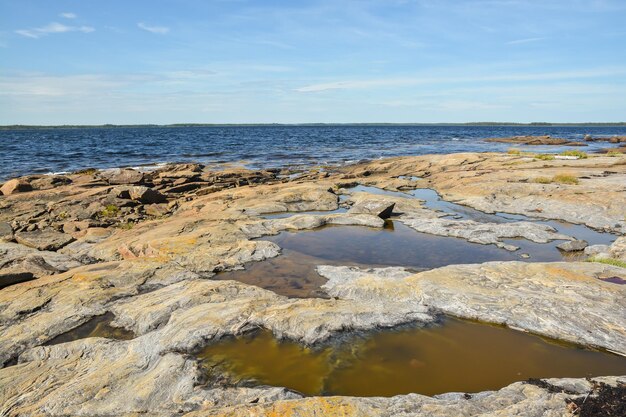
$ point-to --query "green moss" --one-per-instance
(544, 157)
(110, 211)
(513, 151)
(542, 180)
(565, 179)
(126, 226)
(608, 261)
(578, 154)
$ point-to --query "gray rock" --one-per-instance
(146, 195)
(123, 176)
(618, 248)
(573, 246)
(485, 233)
(12, 276)
(44, 240)
(50, 181)
(380, 208)
(6, 232)
(20, 263)
(594, 250)
(521, 295)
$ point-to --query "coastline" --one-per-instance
(146, 246)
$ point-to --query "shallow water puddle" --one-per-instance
(433, 201)
(293, 272)
(459, 356)
(98, 326)
(286, 214)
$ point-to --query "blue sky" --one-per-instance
(238, 61)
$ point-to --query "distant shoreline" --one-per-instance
(178, 125)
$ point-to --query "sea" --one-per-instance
(60, 150)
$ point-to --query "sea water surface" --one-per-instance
(32, 151)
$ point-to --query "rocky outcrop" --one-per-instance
(152, 264)
(517, 294)
(544, 398)
(504, 183)
(485, 233)
(534, 140)
(48, 240)
(15, 186)
(380, 208)
(573, 246)
(123, 176)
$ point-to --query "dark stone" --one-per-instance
(6, 231)
(146, 195)
(44, 239)
(124, 177)
(573, 246)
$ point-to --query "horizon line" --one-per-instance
(183, 124)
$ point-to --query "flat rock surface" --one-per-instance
(152, 269)
(485, 233)
(48, 240)
(518, 294)
(505, 183)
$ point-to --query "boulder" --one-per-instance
(48, 240)
(146, 195)
(6, 231)
(50, 181)
(12, 276)
(597, 250)
(573, 246)
(124, 177)
(15, 186)
(76, 226)
(380, 208)
(618, 248)
(157, 210)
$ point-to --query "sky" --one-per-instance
(332, 61)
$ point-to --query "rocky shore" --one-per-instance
(144, 247)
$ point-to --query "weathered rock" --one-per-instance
(382, 209)
(123, 176)
(518, 294)
(14, 275)
(6, 231)
(618, 248)
(503, 183)
(184, 187)
(595, 250)
(573, 246)
(518, 399)
(21, 263)
(485, 233)
(50, 181)
(150, 278)
(532, 140)
(157, 210)
(146, 195)
(73, 227)
(15, 186)
(45, 240)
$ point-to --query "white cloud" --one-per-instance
(53, 27)
(526, 40)
(162, 30)
(68, 15)
(409, 81)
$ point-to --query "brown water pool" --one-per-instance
(459, 355)
(293, 272)
(98, 326)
